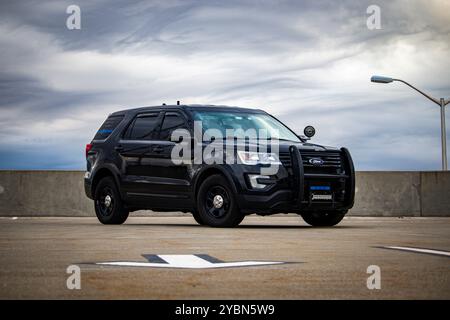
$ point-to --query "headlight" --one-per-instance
(254, 158)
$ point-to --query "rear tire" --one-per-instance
(109, 206)
(323, 219)
(216, 203)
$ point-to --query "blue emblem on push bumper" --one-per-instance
(316, 161)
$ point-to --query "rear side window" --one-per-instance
(108, 127)
(144, 127)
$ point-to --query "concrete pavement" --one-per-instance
(328, 263)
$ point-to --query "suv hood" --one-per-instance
(284, 146)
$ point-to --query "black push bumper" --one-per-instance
(299, 196)
(341, 185)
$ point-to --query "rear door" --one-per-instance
(136, 150)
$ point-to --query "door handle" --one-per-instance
(118, 148)
(158, 149)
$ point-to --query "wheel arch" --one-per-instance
(101, 173)
(209, 171)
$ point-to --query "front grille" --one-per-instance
(332, 161)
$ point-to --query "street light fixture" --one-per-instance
(380, 79)
(441, 102)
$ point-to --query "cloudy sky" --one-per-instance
(307, 62)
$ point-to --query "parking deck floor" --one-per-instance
(328, 263)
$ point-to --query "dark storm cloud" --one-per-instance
(22, 91)
(308, 62)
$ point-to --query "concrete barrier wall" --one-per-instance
(43, 193)
(61, 193)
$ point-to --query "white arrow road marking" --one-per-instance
(187, 261)
(420, 250)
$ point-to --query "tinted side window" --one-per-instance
(172, 121)
(108, 127)
(143, 127)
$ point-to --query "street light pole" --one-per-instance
(441, 103)
(443, 135)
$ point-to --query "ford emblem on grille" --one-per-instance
(316, 161)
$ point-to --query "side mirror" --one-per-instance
(309, 131)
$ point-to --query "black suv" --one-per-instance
(131, 166)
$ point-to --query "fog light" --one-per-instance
(254, 181)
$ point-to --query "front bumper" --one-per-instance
(302, 191)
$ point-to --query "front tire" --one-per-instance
(323, 219)
(109, 206)
(197, 218)
(216, 203)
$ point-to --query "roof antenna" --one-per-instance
(164, 104)
(178, 102)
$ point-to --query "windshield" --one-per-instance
(234, 123)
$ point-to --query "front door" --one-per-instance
(172, 179)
